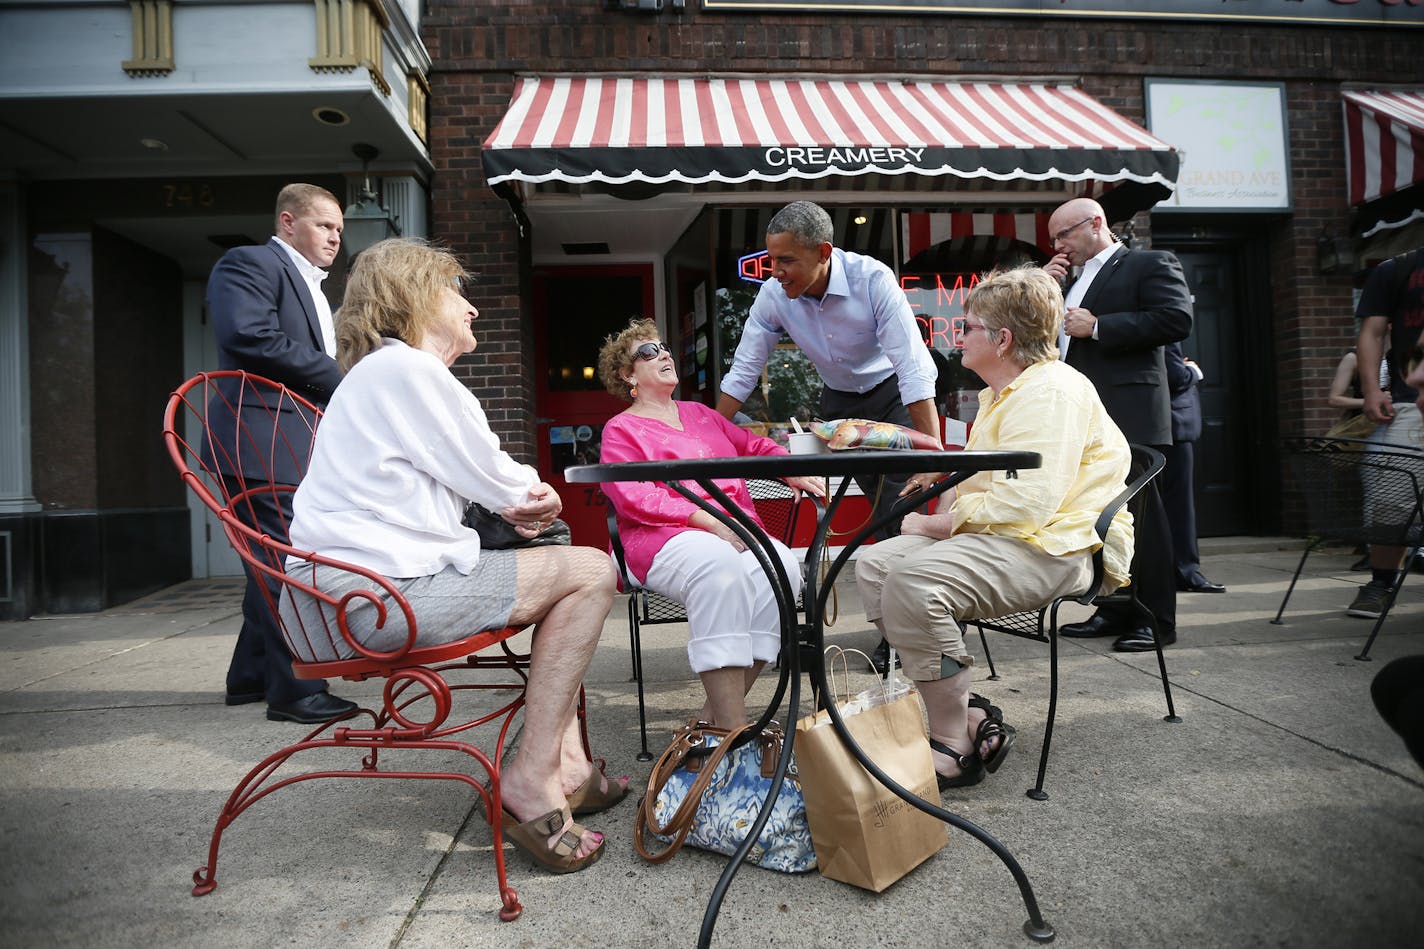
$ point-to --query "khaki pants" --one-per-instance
(920, 588)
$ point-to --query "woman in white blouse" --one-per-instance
(402, 448)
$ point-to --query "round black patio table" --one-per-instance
(804, 642)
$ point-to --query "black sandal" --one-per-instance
(989, 729)
(970, 765)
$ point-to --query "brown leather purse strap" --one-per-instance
(680, 824)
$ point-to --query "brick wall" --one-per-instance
(477, 49)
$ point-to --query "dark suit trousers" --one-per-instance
(880, 404)
(1178, 499)
(261, 656)
(1153, 571)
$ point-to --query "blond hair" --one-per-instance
(393, 290)
(1027, 302)
(297, 199)
(615, 357)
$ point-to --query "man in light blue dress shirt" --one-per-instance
(849, 316)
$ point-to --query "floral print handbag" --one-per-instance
(702, 795)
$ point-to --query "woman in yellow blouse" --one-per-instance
(1004, 544)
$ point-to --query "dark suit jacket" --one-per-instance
(1142, 303)
(1186, 402)
(266, 323)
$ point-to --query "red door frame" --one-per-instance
(583, 504)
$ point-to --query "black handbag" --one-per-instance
(498, 534)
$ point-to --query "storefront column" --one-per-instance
(16, 490)
(407, 198)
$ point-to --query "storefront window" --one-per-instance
(936, 281)
(790, 386)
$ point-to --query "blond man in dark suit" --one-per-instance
(270, 318)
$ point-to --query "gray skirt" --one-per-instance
(448, 606)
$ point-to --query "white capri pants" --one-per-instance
(731, 612)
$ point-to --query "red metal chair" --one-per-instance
(218, 423)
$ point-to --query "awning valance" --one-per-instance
(651, 130)
(1384, 155)
(921, 230)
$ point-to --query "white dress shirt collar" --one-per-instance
(314, 275)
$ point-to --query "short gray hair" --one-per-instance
(807, 223)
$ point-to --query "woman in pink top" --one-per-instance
(673, 546)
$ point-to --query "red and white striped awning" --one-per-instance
(622, 130)
(921, 230)
(1384, 157)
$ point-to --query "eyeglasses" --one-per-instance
(979, 326)
(1058, 238)
(650, 351)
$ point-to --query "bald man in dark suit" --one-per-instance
(1125, 306)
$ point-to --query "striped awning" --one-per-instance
(921, 230)
(653, 130)
(1384, 157)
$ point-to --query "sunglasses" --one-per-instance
(979, 326)
(650, 351)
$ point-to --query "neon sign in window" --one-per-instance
(937, 300)
(754, 267)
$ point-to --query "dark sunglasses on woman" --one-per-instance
(650, 351)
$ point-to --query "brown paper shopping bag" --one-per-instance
(863, 833)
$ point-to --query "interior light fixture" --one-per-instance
(154, 144)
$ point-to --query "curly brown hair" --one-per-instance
(615, 357)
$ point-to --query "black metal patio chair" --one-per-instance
(1358, 492)
(1041, 624)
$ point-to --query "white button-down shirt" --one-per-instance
(1079, 290)
(314, 275)
(859, 332)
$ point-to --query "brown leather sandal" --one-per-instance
(589, 798)
(533, 838)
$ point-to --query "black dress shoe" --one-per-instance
(1200, 584)
(313, 710)
(1140, 640)
(880, 659)
(1094, 626)
(244, 694)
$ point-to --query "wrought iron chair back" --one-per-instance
(1041, 624)
(1358, 492)
(240, 442)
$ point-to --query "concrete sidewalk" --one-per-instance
(1280, 812)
